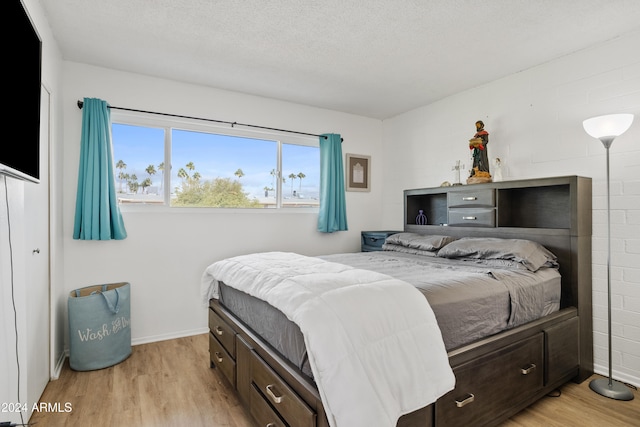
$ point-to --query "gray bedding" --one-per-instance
(471, 299)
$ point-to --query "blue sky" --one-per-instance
(215, 155)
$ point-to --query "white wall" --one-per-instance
(534, 119)
(166, 253)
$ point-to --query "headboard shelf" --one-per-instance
(535, 207)
(559, 203)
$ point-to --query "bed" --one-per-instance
(511, 296)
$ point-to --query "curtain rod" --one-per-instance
(80, 103)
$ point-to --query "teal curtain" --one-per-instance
(97, 213)
(333, 209)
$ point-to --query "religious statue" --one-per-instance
(497, 170)
(478, 146)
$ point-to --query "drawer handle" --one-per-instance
(271, 425)
(469, 199)
(470, 218)
(218, 356)
(219, 331)
(276, 399)
(469, 399)
(528, 370)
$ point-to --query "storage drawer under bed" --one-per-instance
(223, 332)
(262, 412)
(481, 394)
(285, 402)
(222, 360)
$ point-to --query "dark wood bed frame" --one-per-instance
(496, 377)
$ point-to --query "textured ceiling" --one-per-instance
(375, 58)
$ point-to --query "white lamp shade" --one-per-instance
(611, 125)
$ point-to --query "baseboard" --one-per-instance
(57, 369)
(173, 335)
(137, 341)
(618, 376)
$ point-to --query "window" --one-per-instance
(212, 167)
(138, 153)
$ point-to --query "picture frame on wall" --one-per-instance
(358, 172)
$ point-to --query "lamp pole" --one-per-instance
(606, 129)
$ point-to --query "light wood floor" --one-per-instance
(169, 383)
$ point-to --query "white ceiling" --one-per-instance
(375, 58)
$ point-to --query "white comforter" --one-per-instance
(374, 346)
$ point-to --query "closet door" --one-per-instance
(36, 220)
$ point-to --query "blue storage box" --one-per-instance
(99, 326)
(373, 240)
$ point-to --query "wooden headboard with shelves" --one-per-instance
(555, 212)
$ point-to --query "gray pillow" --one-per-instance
(418, 241)
(530, 254)
(390, 247)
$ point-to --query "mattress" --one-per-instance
(471, 299)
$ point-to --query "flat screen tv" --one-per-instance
(20, 158)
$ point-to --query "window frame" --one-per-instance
(169, 123)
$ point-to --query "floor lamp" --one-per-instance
(606, 129)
